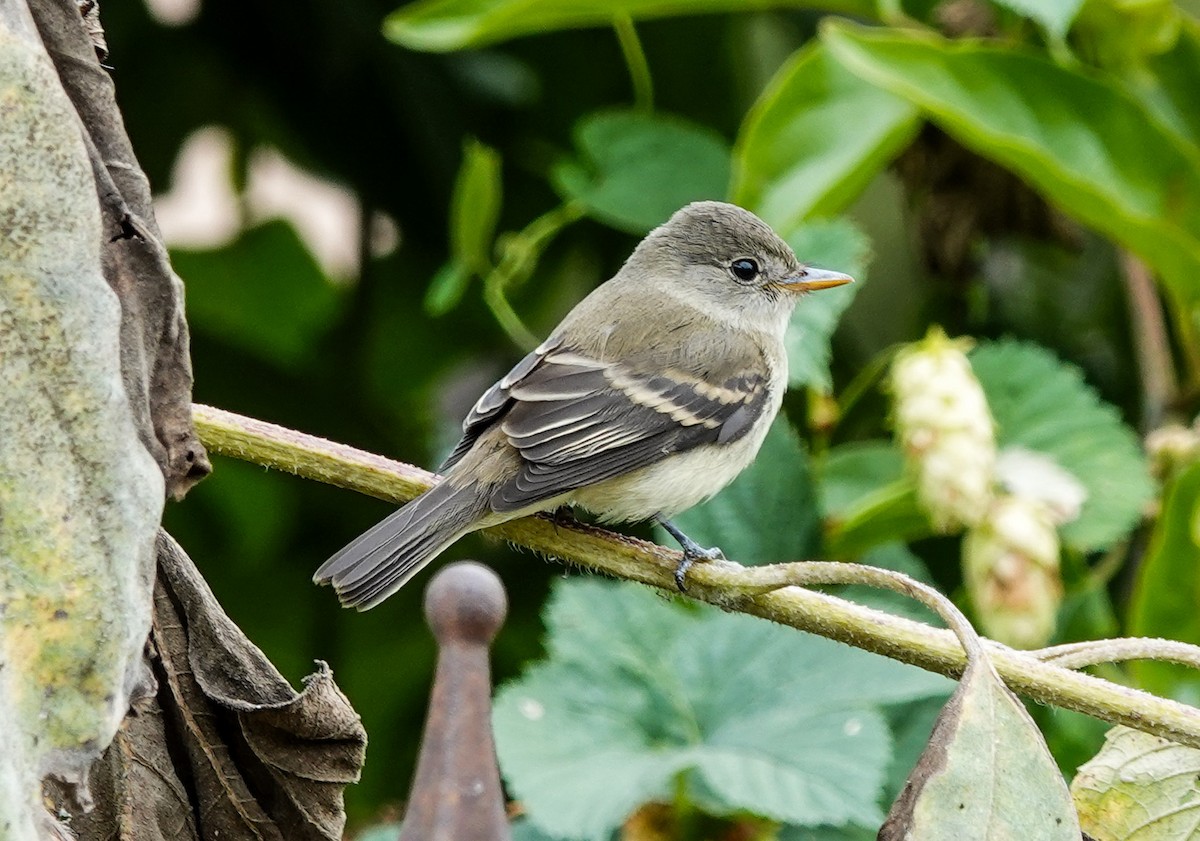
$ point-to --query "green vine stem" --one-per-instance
(635, 60)
(518, 258)
(725, 584)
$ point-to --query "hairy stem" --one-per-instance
(721, 583)
(1076, 655)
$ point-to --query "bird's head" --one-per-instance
(730, 257)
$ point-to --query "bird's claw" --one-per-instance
(691, 554)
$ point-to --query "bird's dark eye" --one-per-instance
(744, 269)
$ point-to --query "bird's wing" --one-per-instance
(576, 420)
(494, 403)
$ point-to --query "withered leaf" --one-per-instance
(986, 773)
(226, 749)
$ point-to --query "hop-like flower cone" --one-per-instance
(942, 421)
(1173, 447)
(1010, 562)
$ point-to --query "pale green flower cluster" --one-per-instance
(1009, 504)
(1010, 564)
(1173, 447)
(943, 423)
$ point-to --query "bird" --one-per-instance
(653, 393)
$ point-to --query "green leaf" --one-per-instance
(826, 833)
(1168, 587)
(443, 25)
(967, 783)
(1054, 16)
(1087, 144)
(855, 470)
(447, 288)
(640, 693)
(1122, 35)
(522, 830)
(867, 499)
(637, 169)
(474, 211)
(835, 244)
(768, 514)
(1139, 787)
(1167, 85)
(1044, 405)
(817, 135)
(475, 207)
(263, 293)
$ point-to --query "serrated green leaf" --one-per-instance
(986, 773)
(826, 833)
(768, 514)
(235, 293)
(1139, 788)
(831, 244)
(1054, 16)
(817, 135)
(1084, 142)
(751, 760)
(1043, 404)
(579, 769)
(475, 207)
(638, 691)
(867, 499)
(525, 830)
(637, 169)
(443, 25)
(1168, 587)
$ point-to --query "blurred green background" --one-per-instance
(327, 159)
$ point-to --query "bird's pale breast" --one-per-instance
(678, 482)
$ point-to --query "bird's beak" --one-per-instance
(812, 280)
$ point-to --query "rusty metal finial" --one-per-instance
(456, 794)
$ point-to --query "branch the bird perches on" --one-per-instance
(767, 592)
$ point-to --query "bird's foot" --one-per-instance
(563, 515)
(692, 552)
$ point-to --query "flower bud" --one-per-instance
(1172, 447)
(943, 424)
(1010, 563)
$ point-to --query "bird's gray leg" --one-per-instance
(563, 515)
(692, 552)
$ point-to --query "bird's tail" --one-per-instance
(379, 561)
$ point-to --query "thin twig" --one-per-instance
(1151, 346)
(1076, 655)
(720, 583)
(761, 580)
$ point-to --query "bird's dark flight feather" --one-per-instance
(576, 421)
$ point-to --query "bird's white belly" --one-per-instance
(672, 485)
